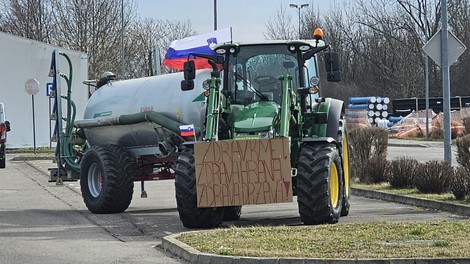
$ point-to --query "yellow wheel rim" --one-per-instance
(334, 185)
(346, 163)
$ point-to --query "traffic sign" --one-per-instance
(31, 86)
(433, 48)
(48, 89)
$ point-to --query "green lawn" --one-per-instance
(441, 239)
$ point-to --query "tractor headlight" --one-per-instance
(206, 84)
(266, 134)
(258, 135)
(315, 81)
(304, 48)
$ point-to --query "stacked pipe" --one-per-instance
(376, 108)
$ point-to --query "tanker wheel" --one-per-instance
(107, 179)
(232, 213)
(347, 187)
(319, 184)
(186, 196)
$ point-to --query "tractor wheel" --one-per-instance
(319, 184)
(186, 196)
(232, 213)
(107, 179)
(347, 186)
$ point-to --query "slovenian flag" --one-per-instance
(187, 131)
(179, 49)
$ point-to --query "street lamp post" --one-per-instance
(123, 69)
(215, 15)
(299, 7)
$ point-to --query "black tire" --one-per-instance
(346, 180)
(107, 179)
(186, 196)
(319, 184)
(3, 156)
(232, 213)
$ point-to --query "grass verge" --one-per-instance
(440, 239)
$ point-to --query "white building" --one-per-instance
(23, 59)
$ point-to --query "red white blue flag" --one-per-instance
(179, 49)
(187, 131)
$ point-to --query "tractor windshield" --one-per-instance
(253, 74)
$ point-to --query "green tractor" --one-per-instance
(267, 135)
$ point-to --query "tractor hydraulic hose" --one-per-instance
(66, 149)
(69, 90)
(69, 157)
(152, 117)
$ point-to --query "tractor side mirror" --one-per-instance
(187, 85)
(189, 70)
(332, 67)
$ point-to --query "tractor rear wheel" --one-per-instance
(319, 184)
(347, 185)
(107, 179)
(232, 213)
(186, 196)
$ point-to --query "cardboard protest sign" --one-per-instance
(240, 172)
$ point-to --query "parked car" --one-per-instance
(4, 128)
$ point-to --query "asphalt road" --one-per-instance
(44, 223)
(420, 150)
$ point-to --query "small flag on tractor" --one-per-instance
(187, 131)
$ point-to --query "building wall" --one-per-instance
(23, 59)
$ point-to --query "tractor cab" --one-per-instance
(253, 81)
(260, 80)
(252, 72)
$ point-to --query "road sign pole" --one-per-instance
(446, 84)
(32, 87)
(34, 125)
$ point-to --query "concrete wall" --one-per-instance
(23, 59)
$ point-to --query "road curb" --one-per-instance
(186, 252)
(180, 249)
(407, 145)
(419, 202)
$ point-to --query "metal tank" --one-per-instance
(139, 113)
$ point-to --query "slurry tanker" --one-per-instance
(254, 129)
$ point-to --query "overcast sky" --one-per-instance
(246, 17)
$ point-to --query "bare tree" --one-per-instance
(459, 22)
(94, 27)
(280, 26)
(26, 18)
(147, 33)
